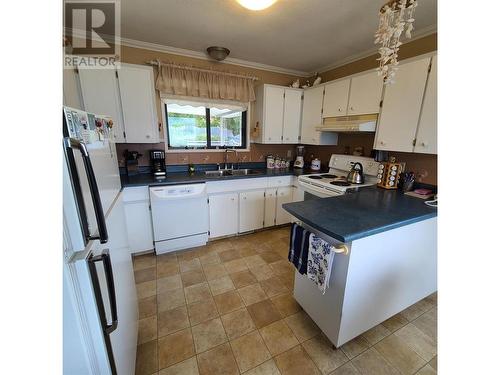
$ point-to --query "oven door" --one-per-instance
(315, 192)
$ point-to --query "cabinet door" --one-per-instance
(365, 94)
(311, 115)
(270, 208)
(72, 96)
(273, 114)
(284, 195)
(297, 194)
(223, 210)
(251, 210)
(139, 226)
(426, 139)
(291, 116)
(336, 97)
(401, 108)
(138, 100)
(101, 96)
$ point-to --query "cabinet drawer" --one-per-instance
(235, 185)
(136, 193)
(279, 181)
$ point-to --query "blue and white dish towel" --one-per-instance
(319, 262)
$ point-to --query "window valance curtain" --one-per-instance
(203, 83)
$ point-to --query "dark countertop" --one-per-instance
(147, 179)
(360, 214)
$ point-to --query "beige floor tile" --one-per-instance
(202, 311)
(288, 280)
(229, 301)
(278, 337)
(249, 351)
(166, 258)
(347, 369)
(145, 290)
(214, 271)
(267, 368)
(273, 287)
(210, 259)
(144, 261)
(192, 278)
(246, 251)
(414, 311)
(286, 304)
(427, 323)
(242, 279)
(371, 362)
(421, 343)
(254, 261)
(171, 299)
(171, 321)
(376, 334)
(395, 322)
(296, 362)
(355, 347)
(432, 299)
(147, 329)
(146, 362)
(226, 256)
(221, 285)
(168, 283)
(190, 265)
(434, 362)
(237, 323)
(147, 307)
(302, 326)
(186, 255)
(324, 355)
(235, 265)
(218, 361)
(146, 274)
(164, 269)
(198, 292)
(426, 370)
(400, 355)
(175, 348)
(281, 267)
(208, 335)
(252, 294)
(222, 245)
(262, 272)
(263, 313)
(187, 367)
(270, 257)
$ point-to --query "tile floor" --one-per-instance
(227, 308)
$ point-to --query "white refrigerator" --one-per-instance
(99, 297)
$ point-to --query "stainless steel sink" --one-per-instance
(233, 172)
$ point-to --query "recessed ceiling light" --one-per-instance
(256, 4)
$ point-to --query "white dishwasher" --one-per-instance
(180, 216)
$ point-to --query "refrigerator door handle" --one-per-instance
(94, 190)
(105, 258)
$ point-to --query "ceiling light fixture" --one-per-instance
(218, 53)
(256, 4)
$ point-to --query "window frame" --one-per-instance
(245, 136)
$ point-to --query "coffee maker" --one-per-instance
(157, 158)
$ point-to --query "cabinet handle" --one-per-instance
(352, 108)
(269, 138)
(148, 136)
(382, 143)
(424, 144)
(340, 109)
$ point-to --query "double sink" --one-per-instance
(233, 172)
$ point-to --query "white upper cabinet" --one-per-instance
(272, 125)
(401, 107)
(365, 94)
(336, 98)
(101, 96)
(426, 139)
(71, 89)
(311, 118)
(137, 95)
(291, 116)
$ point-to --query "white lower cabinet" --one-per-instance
(283, 195)
(251, 210)
(270, 208)
(138, 218)
(223, 210)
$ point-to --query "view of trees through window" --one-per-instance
(188, 126)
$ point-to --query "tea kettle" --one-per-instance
(355, 175)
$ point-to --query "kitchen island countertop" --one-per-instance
(368, 211)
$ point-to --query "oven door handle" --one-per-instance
(319, 190)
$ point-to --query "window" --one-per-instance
(192, 125)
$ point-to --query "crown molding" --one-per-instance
(416, 35)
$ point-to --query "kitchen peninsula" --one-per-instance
(391, 261)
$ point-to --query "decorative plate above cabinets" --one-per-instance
(278, 111)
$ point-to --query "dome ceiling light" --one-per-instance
(256, 4)
(217, 53)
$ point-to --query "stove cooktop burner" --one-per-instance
(340, 183)
(329, 176)
(315, 177)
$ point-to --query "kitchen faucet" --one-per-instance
(225, 157)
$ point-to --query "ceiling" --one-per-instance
(299, 35)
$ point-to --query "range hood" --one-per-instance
(344, 124)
